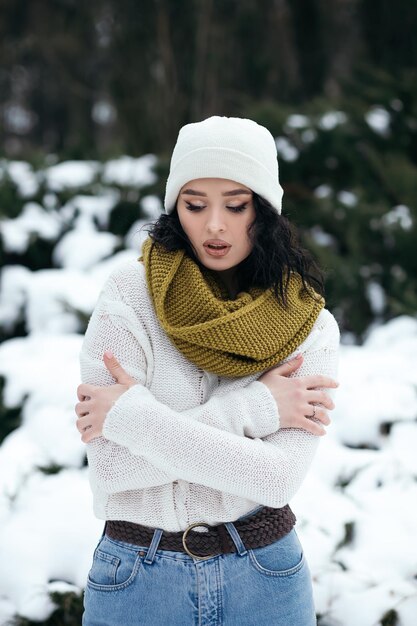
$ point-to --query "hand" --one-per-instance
(300, 400)
(96, 402)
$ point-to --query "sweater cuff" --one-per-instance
(115, 427)
(268, 413)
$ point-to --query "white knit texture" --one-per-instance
(225, 147)
(184, 445)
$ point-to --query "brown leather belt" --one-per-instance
(260, 529)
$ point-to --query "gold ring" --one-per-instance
(184, 536)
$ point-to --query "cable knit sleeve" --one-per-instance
(268, 471)
(113, 465)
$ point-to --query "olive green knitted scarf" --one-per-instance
(228, 337)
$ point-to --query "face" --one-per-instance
(215, 214)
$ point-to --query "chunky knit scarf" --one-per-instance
(228, 337)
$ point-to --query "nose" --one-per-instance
(216, 220)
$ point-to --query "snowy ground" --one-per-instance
(356, 510)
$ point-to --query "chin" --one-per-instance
(218, 264)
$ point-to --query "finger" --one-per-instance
(319, 414)
(290, 366)
(313, 428)
(84, 391)
(320, 397)
(89, 435)
(83, 423)
(82, 408)
(320, 381)
(115, 369)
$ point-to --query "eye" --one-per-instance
(238, 209)
(193, 207)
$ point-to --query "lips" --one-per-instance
(216, 247)
(216, 244)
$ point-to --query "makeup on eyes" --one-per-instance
(235, 209)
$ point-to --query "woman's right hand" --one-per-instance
(298, 398)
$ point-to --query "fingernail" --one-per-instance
(297, 356)
(108, 354)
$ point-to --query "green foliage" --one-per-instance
(155, 65)
(51, 469)
(10, 418)
(391, 618)
(348, 537)
(10, 202)
(123, 216)
(365, 242)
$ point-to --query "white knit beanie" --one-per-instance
(225, 147)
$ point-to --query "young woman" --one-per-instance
(207, 367)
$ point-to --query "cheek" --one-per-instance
(246, 235)
(186, 223)
(191, 230)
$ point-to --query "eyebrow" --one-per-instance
(233, 192)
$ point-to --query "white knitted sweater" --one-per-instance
(185, 445)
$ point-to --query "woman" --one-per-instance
(204, 371)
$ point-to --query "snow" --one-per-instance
(48, 519)
(97, 207)
(331, 119)
(321, 237)
(24, 178)
(33, 220)
(71, 174)
(370, 489)
(55, 298)
(13, 286)
(323, 191)
(152, 206)
(398, 215)
(379, 120)
(309, 135)
(17, 118)
(130, 171)
(297, 121)
(381, 381)
(376, 297)
(50, 200)
(396, 104)
(136, 235)
(40, 364)
(286, 150)
(347, 198)
(356, 509)
(103, 112)
(83, 247)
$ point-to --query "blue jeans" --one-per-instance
(129, 585)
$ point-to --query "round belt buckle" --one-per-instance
(184, 537)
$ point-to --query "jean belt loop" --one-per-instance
(154, 546)
(240, 547)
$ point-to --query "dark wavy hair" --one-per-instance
(275, 253)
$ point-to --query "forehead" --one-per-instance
(214, 185)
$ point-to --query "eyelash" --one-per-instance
(234, 209)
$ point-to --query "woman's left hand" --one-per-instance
(95, 402)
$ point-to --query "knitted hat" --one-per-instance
(225, 147)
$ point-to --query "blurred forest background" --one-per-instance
(333, 80)
(92, 95)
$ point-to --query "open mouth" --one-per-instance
(217, 249)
